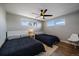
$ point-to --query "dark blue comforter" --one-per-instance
(47, 39)
(21, 47)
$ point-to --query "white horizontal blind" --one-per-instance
(31, 23)
(56, 22)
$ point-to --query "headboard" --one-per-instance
(18, 34)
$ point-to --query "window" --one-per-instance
(60, 22)
(39, 25)
(56, 22)
(25, 23)
(31, 23)
(51, 23)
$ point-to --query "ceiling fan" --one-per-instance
(43, 13)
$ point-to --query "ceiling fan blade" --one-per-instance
(45, 10)
(48, 15)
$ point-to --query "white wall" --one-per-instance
(2, 26)
(64, 32)
(15, 27)
(14, 22)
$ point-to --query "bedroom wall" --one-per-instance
(14, 22)
(64, 32)
(2, 25)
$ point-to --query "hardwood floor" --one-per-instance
(67, 49)
(49, 50)
(61, 49)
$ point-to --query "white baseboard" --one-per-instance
(69, 42)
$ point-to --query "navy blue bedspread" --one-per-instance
(47, 39)
(21, 47)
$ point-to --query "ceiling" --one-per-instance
(26, 9)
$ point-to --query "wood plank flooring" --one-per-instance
(67, 49)
(49, 50)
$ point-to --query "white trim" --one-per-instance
(69, 42)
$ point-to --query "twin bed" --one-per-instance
(49, 40)
(26, 46)
(21, 47)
